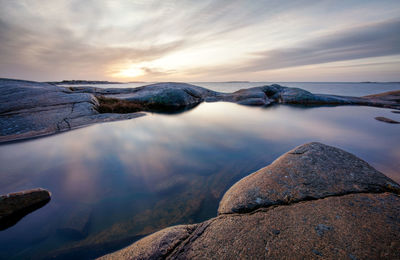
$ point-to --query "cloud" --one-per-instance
(372, 40)
(185, 39)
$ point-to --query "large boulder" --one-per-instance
(14, 206)
(167, 95)
(315, 201)
(311, 171)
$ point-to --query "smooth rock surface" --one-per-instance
(31, 109)
(341, 208)
(15, 206)
(310, 171)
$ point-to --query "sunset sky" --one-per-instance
(192, 41)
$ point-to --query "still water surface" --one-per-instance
(114, 182)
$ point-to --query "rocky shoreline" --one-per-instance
(32, 109)
(316, 201)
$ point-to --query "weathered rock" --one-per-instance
(15, 206)
(386, 120)
(310, 171)
(362, 226)
(155, 246)
(31, 109)
(341, 208)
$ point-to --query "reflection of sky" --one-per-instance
(158, 167)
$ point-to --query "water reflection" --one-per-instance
(115, 182)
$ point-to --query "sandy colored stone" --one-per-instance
(155, 246)
(310, 171)
(355, 226)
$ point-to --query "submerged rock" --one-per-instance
(314, 201)
(15, 206)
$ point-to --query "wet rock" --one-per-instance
(15, 206)
(367, 203)
(386, 120)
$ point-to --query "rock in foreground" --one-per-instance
(315, 201)
(15, 206)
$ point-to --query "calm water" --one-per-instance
(114, 182)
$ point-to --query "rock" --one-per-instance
(167, 95)
(368, 228)
(15, 206)
(315, 201)
(310, 171)
(155, 246)
(31, 109)
(386, 120)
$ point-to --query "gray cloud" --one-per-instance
(57, 39)
(373, 40)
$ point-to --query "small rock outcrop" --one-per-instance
(386, 120)
(315, 201)
(15, 206)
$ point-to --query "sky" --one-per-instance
(190, 40)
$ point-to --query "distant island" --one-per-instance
(236, 81)
(79, 82)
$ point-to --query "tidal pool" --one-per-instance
(112, 183)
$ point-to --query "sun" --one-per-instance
(131, 71)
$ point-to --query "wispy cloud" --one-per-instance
(188, 40)
(372, 40)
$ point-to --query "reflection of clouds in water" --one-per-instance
(159, 170)
(271, 124)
